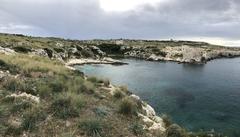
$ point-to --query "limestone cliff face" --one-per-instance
(183, 54)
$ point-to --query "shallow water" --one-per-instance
(195, 96)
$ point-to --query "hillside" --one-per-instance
(41, 96)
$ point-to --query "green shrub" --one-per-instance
(137, 129)
(127, 107)
(101, 111)
(3, 111)
(32, 117)
(44, 90)
(22, 49)
(20, 105)
(118, 94)
(11, 68)
(96, 80)
(57, 85)
(93, 127)
(93, 79)
(13, 84)
(58, 50)
(8, 99)
(12, 131)
(87, 53)
(77, 100)
(87, 87)
(3, 128)
(63, 107)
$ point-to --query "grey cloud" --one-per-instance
(86, 20)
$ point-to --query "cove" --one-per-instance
(197, 97)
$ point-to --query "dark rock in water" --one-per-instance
(182, 97)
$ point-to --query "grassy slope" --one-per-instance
(69, 104)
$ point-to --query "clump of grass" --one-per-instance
(127, 107)
(20, 105)
(13, 84)
(2, 128)
(87, 87)
(22, 49)
(62, 108)
(16, 85)
(58, 85)
(137, 129)
(93, 127)
(12, 131)
(118, 94)
(44, 90)
(96, 80)
(67, 106)
(31, 117)
(101, 111)
(93, 79)
(5, 66)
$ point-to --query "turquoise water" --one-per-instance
(195, 96)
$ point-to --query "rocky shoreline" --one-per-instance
(101, 51)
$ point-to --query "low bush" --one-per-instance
(93, 127)
(101, 111)
(127, 107)
(105, 82)
(67, 106)
(20, 105)
(93, 79)
(87, 87)
(31, 117)
(13, 84)
(118, 94)
(12, 131)
(22, 49)
(58, 85)
(16, 85)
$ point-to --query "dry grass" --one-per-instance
(29, 64)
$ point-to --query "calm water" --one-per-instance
(195, 96)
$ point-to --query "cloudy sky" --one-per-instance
(215, 21)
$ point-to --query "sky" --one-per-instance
(214, 21)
